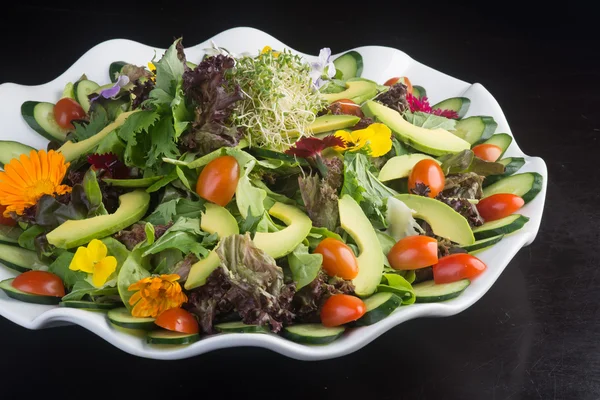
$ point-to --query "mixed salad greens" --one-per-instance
(252, 193)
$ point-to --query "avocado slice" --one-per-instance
(218, 219)
(73, 151)
(444, 221)
(330, 122)
(358, 91)
(400, 166)
(73, 233)
(279, 244)
(370, 259)
(436, 142)
(276, 244)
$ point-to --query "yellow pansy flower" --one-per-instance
(378, 137)
(156, 294)
(93, 260)
(151, 67)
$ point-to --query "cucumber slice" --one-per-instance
(350, 64)
(419, 91)
(458, 104)
(89, 305)
(18, 258)
(240, 327)
(82, 90)
(163, 336)
(122, 317)
(7, 287)
(133, 183)
(312, 333)
(483, 243)
(10, 150)
(526, 185)
(502, 140)
(429, 292)
(503, 226)
(10, 234)
(379, 306)
(474, 129)
(115, 69)
(40, 117)
(511, 166)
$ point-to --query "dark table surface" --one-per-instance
(533, 335)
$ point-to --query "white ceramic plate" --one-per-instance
(380, 63)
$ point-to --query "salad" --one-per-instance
(255, 193)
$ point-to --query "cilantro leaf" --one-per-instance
(162, 137)
(85, 130)
(169, 71)
(136, 123)
(430, 121)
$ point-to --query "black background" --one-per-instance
(534, 335)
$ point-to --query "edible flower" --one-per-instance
(268, 49)
(110, 163)
(152, 67)
(310, 148)
(423, 105)
(26, 179)
(156, 294)
(323, 68)
(377, 137)
(94, 260)
(112, 92)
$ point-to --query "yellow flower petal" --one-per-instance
(97, 250)
(266, 49)
(82, 261)
(346, 137)
(380, 141)
(103, 269)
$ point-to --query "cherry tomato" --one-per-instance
(414, 252)
(499, 206)
(67, 110)
(177, 320)
(39, 282)
(427, 172)
(349, 107)
(402, 79)
(340, 309)
(338, 259)
(5, 220)
(487, 152)
(455, 267)
(218, 180)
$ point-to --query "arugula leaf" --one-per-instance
(184, 235)
(84, 288)
(365, 188)
(465, 161)
(304, 266)
(174, 209)
(27, 238)
(85, 130)
(60, 267)
(430, 121)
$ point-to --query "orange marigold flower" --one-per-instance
(156, 294)
(26, 179)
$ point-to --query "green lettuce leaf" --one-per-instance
(85, 130)
(430, 121)
(60, 267)
(83, 288)
(134, 268)
(249, 198)
(465, 161)
(400, 286)
(304, 265)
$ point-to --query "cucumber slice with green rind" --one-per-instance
(82, 90)
(240, 327)
(312, 333)
(6, 286)
(10, 234)
(511, 166)
(483, 243)
(115, 69)
(350, 64)
(430, 292)
(502, 140)
(474, 129)
(526, 185)
(122, 317)
(379, 306)
(40, 117)
(458, 104)
(18, 258)
(89, 305)
(503, 226)
(10, 150)
(163, 336)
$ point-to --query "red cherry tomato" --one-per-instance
(67, 110)
(39, 282)
(414, 252)
(5, 220)
(427, 172)
(177, 320)
(340, 309)
(349, 107)
(487, 152)
(218, 180)
(338, 259)
(499, 206)
(455, 267)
